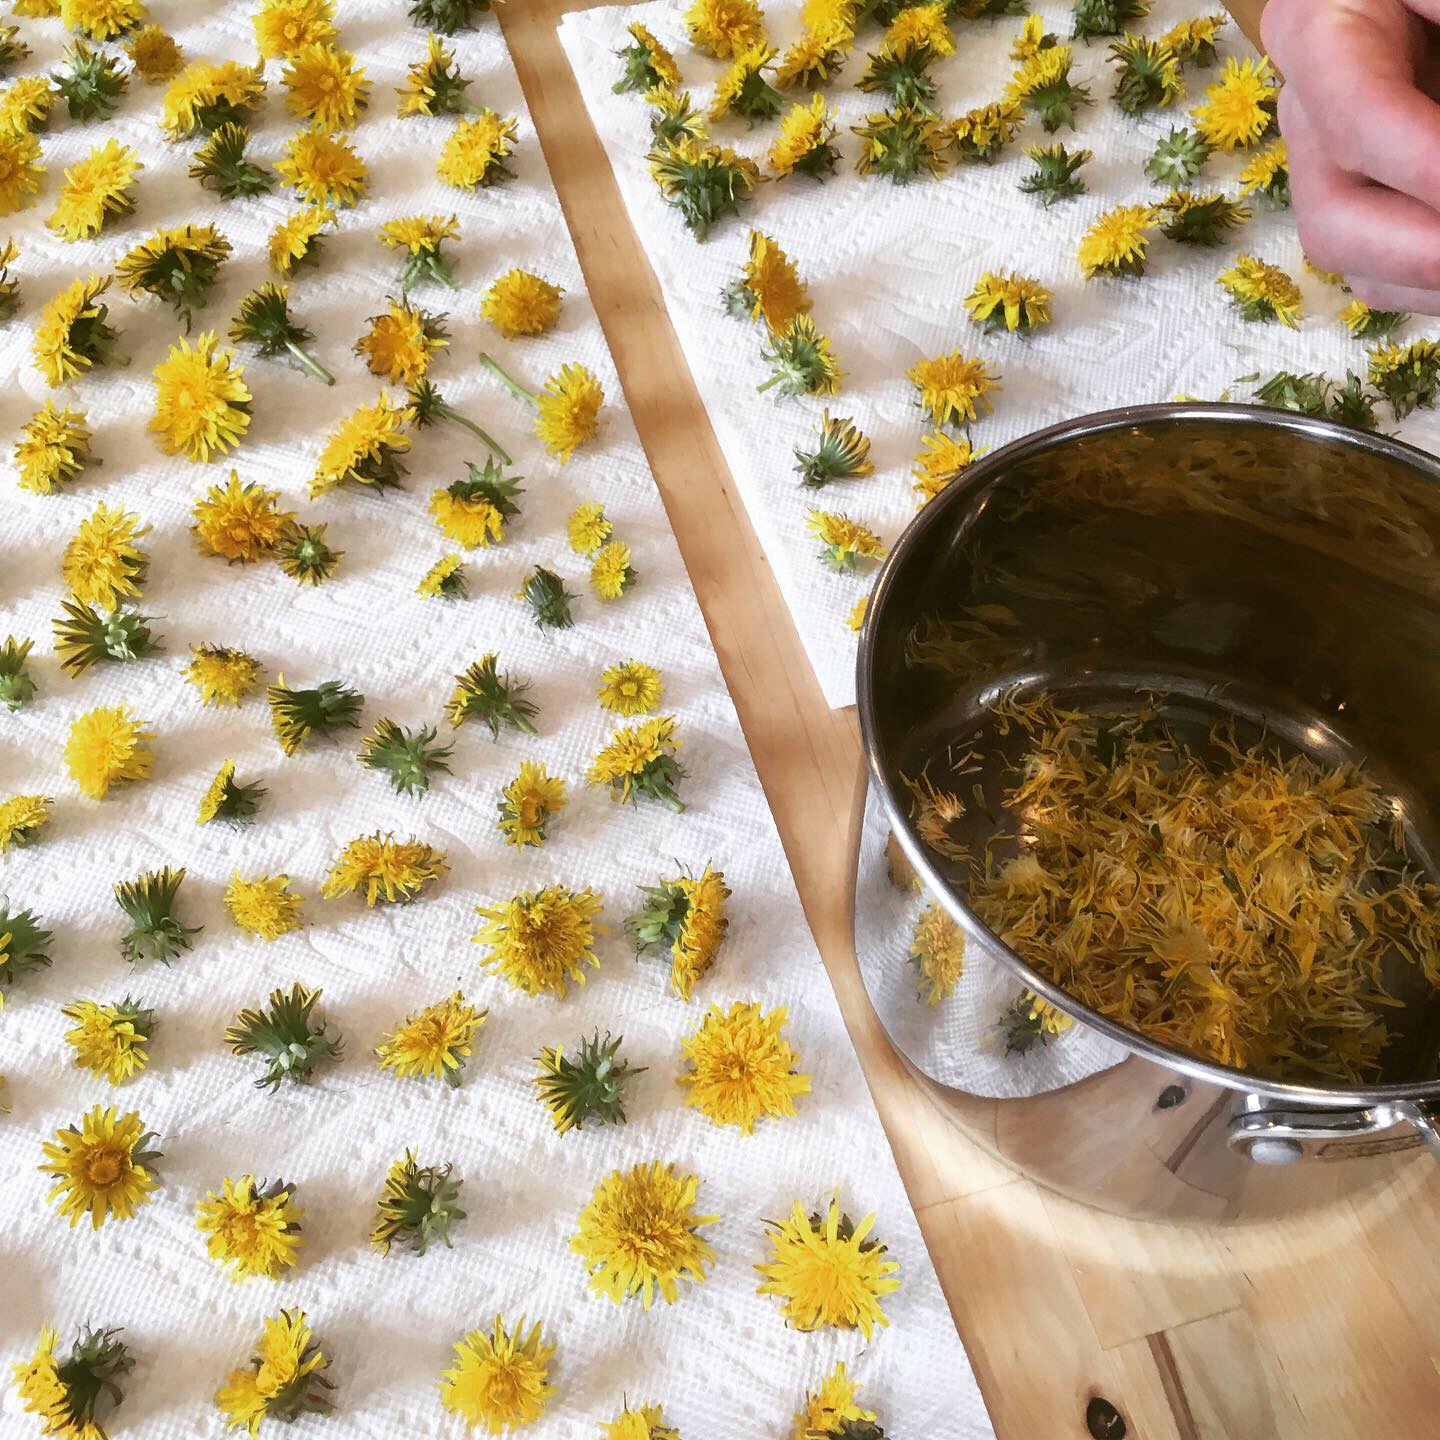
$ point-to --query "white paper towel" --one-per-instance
(889, 268)
(721, 1360)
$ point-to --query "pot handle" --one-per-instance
(1273, 1135)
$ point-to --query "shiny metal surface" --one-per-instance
(1246, 562)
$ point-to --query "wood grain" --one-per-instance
(1327, 1328)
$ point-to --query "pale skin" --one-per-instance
(1362, 127)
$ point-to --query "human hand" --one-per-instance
(1362, 130)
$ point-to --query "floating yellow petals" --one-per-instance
(741, 1070)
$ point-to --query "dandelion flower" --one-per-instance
(801, 361)
(1262, 291)
(804, 142)
(54, 447)
(251, 1228)
(827, 1271)
(1148, 74)
(855, 616)
(1009, 302)
(221, 675)
(22, 945)
(85, 637)
(673, 117)
(527, 804)
(703, 182)
(387, 870)
(744, 91)
(435, 1043)
(639, 1234)
(155, 56)
(103, 1168)
(587, 528)
(1031, 1019)
(418, 1204)
(103, 563)
(239, 523)
(204, 97)
(519, 303)
(365, 449)
(283, 1379)
(226, 798)
(1116, 243)
(400, 344)
(847, 543)
(264, 321)
(67, 1394)
(770, 289)
(202, 404)
(611, 573)
(101, 19)
(97, 188)
(684, 915)
(297, 714)
(287, 1032)
(942, 460)
(540, 942)
(421, 238)
(982, 133)
(588, 1086)
(645, 1423)
(1055, 174)
(108, 746)
(475, 155)
(723, 28)
(305, 556)
(567, 409)
(953, 388)
(473, 511)
(1201, 219)
(109, 1040)
(285, 27)
(1268, 171)
(937, 950)
(1239, 108)
(435, 85)
(326, 87)
(264, 906)
(483, 693)
(446, 579)
(640, 760)
(741, 1069)
(323, 169)
(25, 106)
(296, 241)
(21, 819)
(629, 688)
(831, 1410)
(648, 64)
(177, 266)
(1367, 324)
(500, 1379)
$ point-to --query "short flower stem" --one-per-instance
(518, 391)
(484, 438)
(773, 380)
(310, 363)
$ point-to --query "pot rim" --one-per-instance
(976, 476)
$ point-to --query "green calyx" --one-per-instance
(589, 1086)
(904, 78)
(408, 757)
(449, 17)
(498, 701)
(222, 165)
(1054, 176)
(304, 555)
(93, 84)
(156, 933)
(287, 1034)
(85, 637)
(90, 1374)
(418, 1205)
(264, 321)
(22, 944)
(549, 601)
(1348, 404)
(1178, 158)
(17, 688)
(1106, 17)
(658, 924)
(705, 185)
(298, 714)
(491, 485)
(638, 72)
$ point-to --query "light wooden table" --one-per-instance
(1327, 1329)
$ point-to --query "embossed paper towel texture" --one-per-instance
(721, 1360)
(889, 268)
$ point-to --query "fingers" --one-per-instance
(1380, 296)
(1364, 231)
(1352, 65)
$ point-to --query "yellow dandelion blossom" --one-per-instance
(108, 746)
(611, 573)
(102, 1169)
(323, 169)
(283, 1378)
(646, 1423)
(920, 26)
(469, 521)
(1011, 301)
(421, 236)
(285, 27)
(21, 819)
(20, 170)
(1268, 171)
(686, 914)
(239, 523)
(846, 542)
(953, 388)
(772, 286)
(1117, 242)
(400, 344)
(519, 303)
(204, 96)
(221, 675)
(541, 942)
(326, 87)
(25, 105)
(815, 57)
(444, 580)
(831, 1410)
(295, 241)
(941, 461)
(155, 56)
(937, 950)
(803, 140)
(251, 1229)
(98, 187)
(475, 154)
(101, 19)
(629, 688)
(435, 1043)
(364, 449)
(569, 410)
(264, 906)
(648, 63)
(741, 1069)
(1031, 39)
(54, 447)
(202, 404)
(828, 1271)
(387, 870)
(640, 760)
(639, 1234)
(1239, 108)
(1263, 291)
(1194, 40)
(723, 28)
(499, 1380)
(109, 1040)
(527, 804)
(587, 528)
(103, 564)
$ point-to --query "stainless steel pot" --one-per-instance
(1272, 567)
